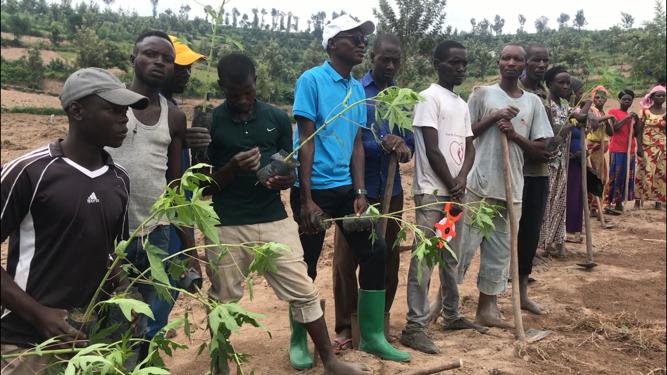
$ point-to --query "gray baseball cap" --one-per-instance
(102, 83)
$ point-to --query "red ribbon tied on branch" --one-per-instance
(444, 229)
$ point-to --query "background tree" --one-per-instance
(255, 18)
(648, 53)
(522, 24)
(627, 20)
(19, 24)
(183, 13)
(154, 5)
(483, 27)
(562, 20)
(235, 15)
(274, 18)
(318, 23)
(92, 50)
(579, 20)
(498, 24)
(418, 23)
(56, 33)
(541, 24)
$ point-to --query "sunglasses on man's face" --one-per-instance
(356, 39)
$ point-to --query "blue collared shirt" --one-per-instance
(377, 161)
(319, 95)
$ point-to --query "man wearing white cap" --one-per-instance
(63, 207)
(331, 177)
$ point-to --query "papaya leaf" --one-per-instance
(128, 305)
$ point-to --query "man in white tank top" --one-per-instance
(151, 151)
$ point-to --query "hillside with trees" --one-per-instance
(283, 45)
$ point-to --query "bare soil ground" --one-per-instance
(30, 40)
(15, 53)
(14, 98)
(610, 320)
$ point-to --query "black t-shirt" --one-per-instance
(62, 221)
(246, 201)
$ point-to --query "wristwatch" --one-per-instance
(359, 192)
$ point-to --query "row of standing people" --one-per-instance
(341, 171)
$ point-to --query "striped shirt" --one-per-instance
(62, 221)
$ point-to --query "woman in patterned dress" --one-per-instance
(599, 131)
(651, 150)
(552, 233)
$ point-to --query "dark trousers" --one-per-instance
(535, 195)
(336, 203)
(345, 265)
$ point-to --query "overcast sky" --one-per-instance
(599, 14)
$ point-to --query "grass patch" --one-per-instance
(35, 110)
(633, 334)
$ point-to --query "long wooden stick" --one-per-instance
(444, 367)
(388, 190)
(514, 228)
(584, 197)
(627, 162)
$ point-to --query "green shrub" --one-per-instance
(36, 110)
(19, 72)
(58, 69)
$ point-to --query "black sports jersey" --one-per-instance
(62, 221)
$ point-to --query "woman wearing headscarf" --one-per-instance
(552, 233)
(599, 131)
(651, 149)
(618, 150)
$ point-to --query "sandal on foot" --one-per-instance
(463, 323)
(341, 345)
(611, 211)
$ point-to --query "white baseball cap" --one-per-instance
(344, 23)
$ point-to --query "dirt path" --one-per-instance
(607, 321)
(14, 98)
(15, 53)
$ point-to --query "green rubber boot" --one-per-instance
(299, 356)
(371, 327)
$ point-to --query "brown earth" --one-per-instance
(15, 53)
(30, 40)
(14, 98)
(610, 320)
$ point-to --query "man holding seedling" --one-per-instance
(380, 144)
(63, 208)
(151, 152)
(245, 134)
(331, 173)
(444, 154)
(499, 110)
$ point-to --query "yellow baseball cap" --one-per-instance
(184, 55)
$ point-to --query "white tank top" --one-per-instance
(144, 156)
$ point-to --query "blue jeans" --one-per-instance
(161, 308)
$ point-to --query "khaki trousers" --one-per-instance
(290, 282)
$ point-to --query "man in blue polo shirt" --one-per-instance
(331, 172)
(385, 62)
